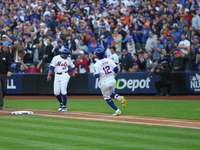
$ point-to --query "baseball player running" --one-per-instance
(60, 65)
(105, 69)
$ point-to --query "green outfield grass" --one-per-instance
(48, 133)
(158, 108)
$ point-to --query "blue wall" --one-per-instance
(192, 82)
(127, 83)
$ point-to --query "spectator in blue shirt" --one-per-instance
(176, 36)
(22, 70)
(157, 49)
(6, 40)
(11, 36)
(145, 33)
(93, 44)
(136, 36)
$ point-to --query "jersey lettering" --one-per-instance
(59, 63)
(104, 63)
(107, 70)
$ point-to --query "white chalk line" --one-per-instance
(132, 122)
(98, 119)
(134, 118)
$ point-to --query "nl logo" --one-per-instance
(195, 82)
(10, 84)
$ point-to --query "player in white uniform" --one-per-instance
(60, 65)
(105, 69)
(114, 55)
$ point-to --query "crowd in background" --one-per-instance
(137, 34)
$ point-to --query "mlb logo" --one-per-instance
(193, 78)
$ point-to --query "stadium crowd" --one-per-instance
(137, 34)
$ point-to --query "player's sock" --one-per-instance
(111, 103)
(113, 95)
(116, 96)
(64, 97)
(59, 98)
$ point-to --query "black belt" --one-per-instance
(61, 73)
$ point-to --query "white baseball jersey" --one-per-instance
(184, 43)
(104, 67)
(115, 58)
(61, 65)
(61, 74)
(108, 52)
(91, 66)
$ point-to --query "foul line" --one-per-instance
(132, 122)
(120, 121)
(135, 118)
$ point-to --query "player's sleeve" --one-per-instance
(114, 66)
(52, 64)
(96, 73)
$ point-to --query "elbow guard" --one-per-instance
(116, 69)
(96, 75)
(73, 69)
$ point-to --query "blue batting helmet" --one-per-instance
(99, 52)
(66, 52)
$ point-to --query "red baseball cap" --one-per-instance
(166, 32)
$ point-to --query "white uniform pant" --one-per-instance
(108, 88)
(61, 83)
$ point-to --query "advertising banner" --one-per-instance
(127, 83)
(192, 80)
(14, 84)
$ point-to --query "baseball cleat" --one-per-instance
(59, 109)
(123, 102)
(64, 109)
(117, 112)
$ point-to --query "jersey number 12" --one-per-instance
(107, 70)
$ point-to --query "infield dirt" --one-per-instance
(182, 123)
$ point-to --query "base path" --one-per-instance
(181, 123)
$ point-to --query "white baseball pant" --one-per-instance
(60, 84)
(107, 88)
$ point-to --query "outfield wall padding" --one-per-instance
(126, 83)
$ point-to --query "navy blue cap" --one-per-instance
(103, 27)
(19, 40)
(88, 27)
(135, 63)
(148, 18)
(59, 41)
(176, 49)
(47, 15)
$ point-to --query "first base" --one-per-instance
(21, 112)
